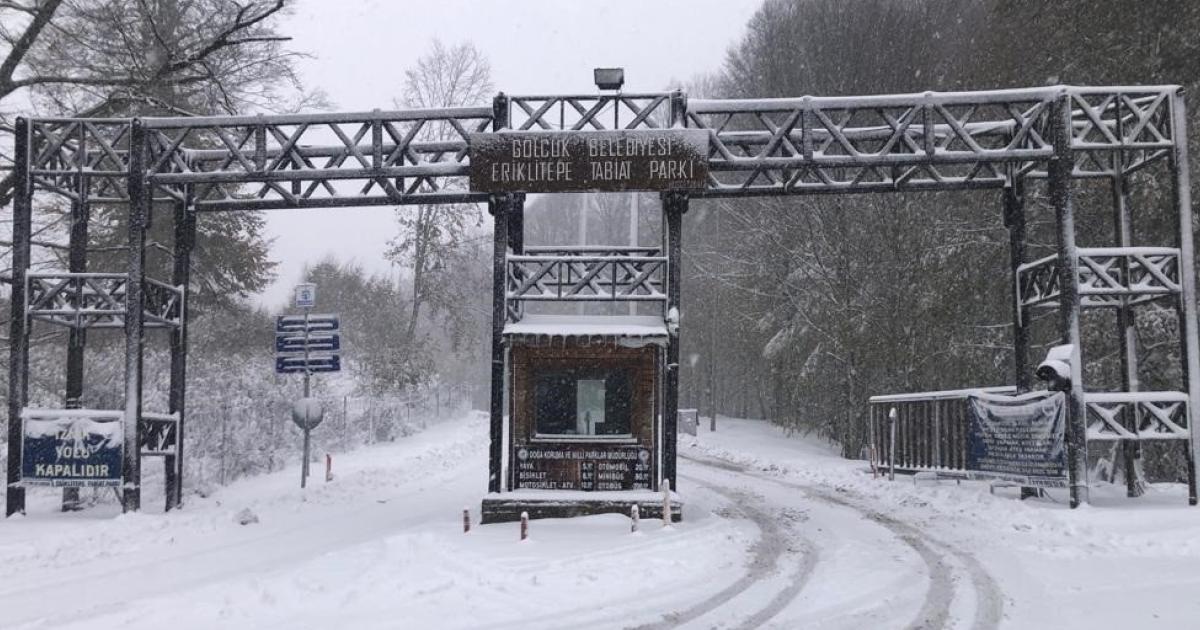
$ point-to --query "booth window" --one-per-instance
(583, 402)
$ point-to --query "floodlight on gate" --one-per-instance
(609, 78)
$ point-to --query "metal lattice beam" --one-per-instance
(609, 274)
(1155, 416)
(1108, 276)
(97, 300)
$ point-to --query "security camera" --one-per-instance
(1056, 368)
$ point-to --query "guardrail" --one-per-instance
(929, 431)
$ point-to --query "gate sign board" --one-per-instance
(577, 161)
(582, 468)
(1019, 438)
(70, 450)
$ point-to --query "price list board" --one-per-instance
(583, 468)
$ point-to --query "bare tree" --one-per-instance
(128, 57)
(431, 235)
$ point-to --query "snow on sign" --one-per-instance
(316, 342)
(72, 447)
(315, 323)
(312, 363)
(564, 161)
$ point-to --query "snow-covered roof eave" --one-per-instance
(624, 329)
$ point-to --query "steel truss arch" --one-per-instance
(929, 141)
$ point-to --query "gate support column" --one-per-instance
(139, 209)
(1061, 197)
(1014, 220)
(1189, 337)
(674, 205)
(77, 336)
(1131, 450)
(18, 356)
(185, 240)
(499, 205)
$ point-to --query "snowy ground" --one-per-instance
(778, 532)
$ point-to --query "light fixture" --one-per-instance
(609, 78)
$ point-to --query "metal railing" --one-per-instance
(922, 431)
(586, 274)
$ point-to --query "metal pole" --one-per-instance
(499, 206)
(1190, 342)
(77, 335)
(185, 240)
(674, 206)
(712, 340)
(634, 213)
(1014, 220)
(1060, 169)
(18, 356)
(307, 378)
(1131, 450)
(139, 209)
(892, 444)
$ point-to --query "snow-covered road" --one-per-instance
(778, 533)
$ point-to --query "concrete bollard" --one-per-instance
(634, 517)
(524, 525)
(466, 520)
(328, 467)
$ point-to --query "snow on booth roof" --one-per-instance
(642, 328)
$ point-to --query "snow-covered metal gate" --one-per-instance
(179, 167)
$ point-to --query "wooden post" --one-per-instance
(185, 242)
(18, 356)
(1189, 336)
(139, 210)
(1061, 197)
(498, 206)
(674, 205)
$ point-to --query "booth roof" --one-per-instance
(639, 326)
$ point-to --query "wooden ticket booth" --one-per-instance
(583, 407)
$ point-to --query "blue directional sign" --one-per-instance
(316, 342)
(315, 363)
(316, 323)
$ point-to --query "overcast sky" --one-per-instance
(360, 49)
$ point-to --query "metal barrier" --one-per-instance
(924, 431)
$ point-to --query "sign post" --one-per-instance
(298, 349)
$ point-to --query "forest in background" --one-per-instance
(813, 304)
(795, 309)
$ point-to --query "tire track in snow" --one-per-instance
(935, 610)
(774, 543)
